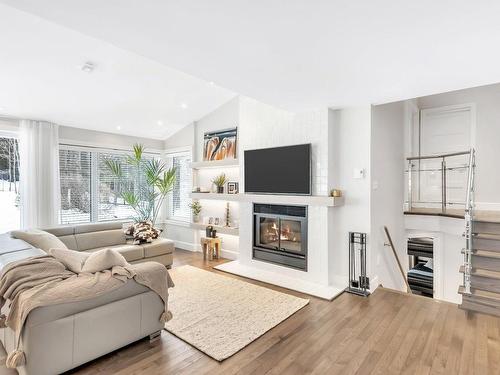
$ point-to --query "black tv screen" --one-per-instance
(279, 170)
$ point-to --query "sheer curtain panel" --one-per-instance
(39, 176)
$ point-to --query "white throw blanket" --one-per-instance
(43, 281)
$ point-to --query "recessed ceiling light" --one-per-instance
(211, 83)
(184, 105)
(160, 123)
(88, 67)
(118, 127)
(1, 109)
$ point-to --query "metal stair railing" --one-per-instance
(469, 222)
(443, 169)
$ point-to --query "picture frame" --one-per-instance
(232, 187)
(216, 221)
(220, 145)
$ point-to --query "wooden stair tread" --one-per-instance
(484, 253)
(480, 294)
(486, 236)
(487, 216)
(482, 273)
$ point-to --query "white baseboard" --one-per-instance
(227, 254)
(187, 246)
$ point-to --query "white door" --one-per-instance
(445, 130)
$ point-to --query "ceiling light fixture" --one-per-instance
(211, 83)
(184, 105)
(160, 123)
(118, 127)
(88, 67)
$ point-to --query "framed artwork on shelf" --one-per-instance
(220, 145)
(232, 187)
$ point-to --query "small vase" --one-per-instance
(220, 189)
(196, 218)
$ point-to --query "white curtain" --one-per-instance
(39, 174)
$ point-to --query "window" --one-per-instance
(178, 201)
(88, 190)
(76, 184)
(111, 206)
(9, 183)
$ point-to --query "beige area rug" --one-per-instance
(220, 315)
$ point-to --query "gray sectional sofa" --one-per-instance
(93, 237)
(61, 337)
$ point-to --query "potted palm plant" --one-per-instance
(144, 187)
(220, 181)
(196, 209)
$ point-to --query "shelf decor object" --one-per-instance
(232, 188)
(220, 181)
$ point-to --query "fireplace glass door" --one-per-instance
(291, 235)
(281, 233)
(268, 232)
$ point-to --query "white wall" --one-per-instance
(351, 131)
(487, 136)
(262, 126)
(184, 137)
(108, 140)
(224, 117)
(387, 192)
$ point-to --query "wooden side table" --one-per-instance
(211, 247)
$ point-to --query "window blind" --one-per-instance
(75, 175)
(179, 198)
(110, 204)
(89, 192)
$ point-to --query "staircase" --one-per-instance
(481, 270)
(484, 273)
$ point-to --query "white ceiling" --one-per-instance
(40, 78)
(300, 54)
(295, 54)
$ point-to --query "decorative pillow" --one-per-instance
(39, 238)
(103, 260)
(143, 232)
(73, 260)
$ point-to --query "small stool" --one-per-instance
(210, 246)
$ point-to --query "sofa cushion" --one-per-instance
(103, 260)
(73, 260)
(158, 247)
(98, 227)
(105, 238)
(39, 238)
(63, 230)
(129, 252)
(69, 241)
(10, 245)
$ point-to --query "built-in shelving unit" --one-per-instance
(220, 229)
(226, 163)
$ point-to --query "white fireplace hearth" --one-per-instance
(320, 279)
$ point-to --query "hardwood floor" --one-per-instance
(386, 333)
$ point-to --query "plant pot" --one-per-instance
(196, 218)
(220, 189)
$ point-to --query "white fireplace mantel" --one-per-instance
(307, 200)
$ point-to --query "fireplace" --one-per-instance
(280, 235)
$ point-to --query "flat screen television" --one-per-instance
(279, 170)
